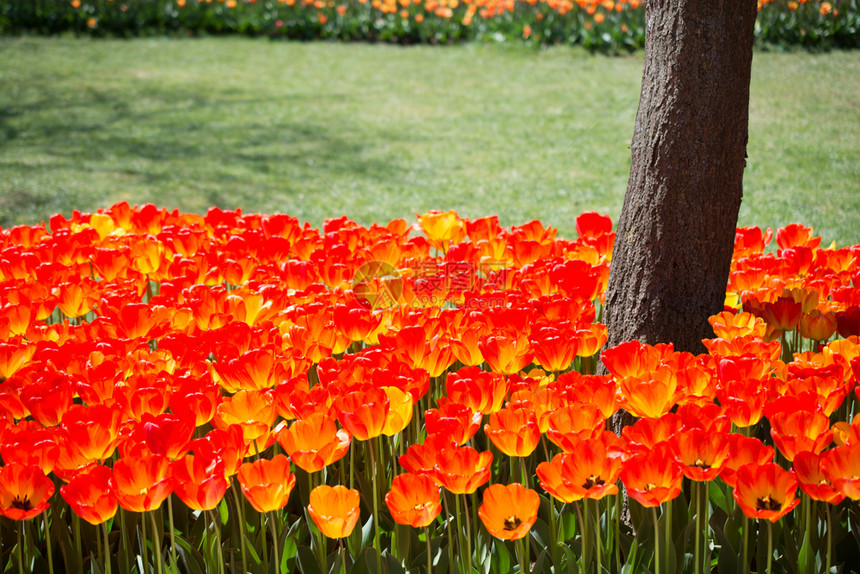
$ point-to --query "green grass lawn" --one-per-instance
(378, 132)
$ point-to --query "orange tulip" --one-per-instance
(199, 481)
(267, 484)
(414, 500)
(456, 421)
(315, 442)
(197, 399)
(798, 431)
(653, 396)
(652, 477)
(168, 434)
(142, 481)
(783, 314)
(812, 480)
(363, 412)
(48, 397)
(841, 466)
(400, 411)
(24, 491)
(795, 234)
(334, 510)
(479, 390)
(701, 452)
(253, 370)
(509, 511)
(91, 495)
(744, 400)
(505, 353)
(442, 228)
(743, 450)
(93, 431)
(553, 479)
(228, 445)
(646, 434)
(818, 326)
(30, 445)
(570, 424)
(765, 491)
(728, 325)
(421, 458)
(554, 350)
(515, 432)
(254, 411)
(462, 470)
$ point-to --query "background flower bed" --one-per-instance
(597, 24)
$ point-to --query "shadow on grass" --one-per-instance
(219, 146)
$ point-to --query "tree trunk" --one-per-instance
(676, 231)
(673, 247)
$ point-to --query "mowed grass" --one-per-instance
(378, 132)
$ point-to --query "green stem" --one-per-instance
(617, 541)
(241, 512)
(553, 534)
(769, 546)
(598, 541)
(706, 500)
(448, 527)
(342, 556)
(525, 473)
(807, 536)
(375, 507)
(656, 541)
(667, 509)
(468, 536)
(142, 542)
(275, 547)
(586, 535)
(123, 539)
(829, 540)
(172, 534)
(697, 556)
(48, 540)
(429, 550)
(20, 549)
(581, 521)
(217, 526)
(156, 548)
(522, 554)
(107, 548)
(745, 537)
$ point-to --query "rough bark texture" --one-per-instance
(675, 236)
(676, 231)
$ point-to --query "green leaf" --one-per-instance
(540, 533)
(404, 540)
(569, 559)
(502, 562)
(306, 560)
(541, 566)
(567, 524)
(288, 550)
(390, 564)
(729, 559)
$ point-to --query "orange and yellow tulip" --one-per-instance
(509, 511)
(334, 510)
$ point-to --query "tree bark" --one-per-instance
(675, 236)
(676, 231)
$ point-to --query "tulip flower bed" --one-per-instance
(596, 24)
(241, 393)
